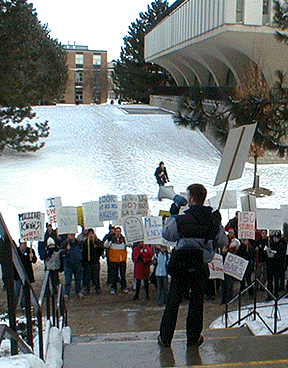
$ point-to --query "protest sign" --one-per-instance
(133, 228)
(270, 219)
(108, 208)
(130, 204)
(246, 225)
(235, 266)
(52, 205)
(248, 203)
(143, 205)
(67, 220)
(284, 210)
(153, 229)
(91, 215)
(31, 226)
(216, 267)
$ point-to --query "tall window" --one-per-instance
(79, 77)
(96, 59)
(78, 95)
(239, 11)
(79, 59)
(265, 17)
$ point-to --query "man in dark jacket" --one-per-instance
(161, 174)
(197, 232)
(71, 250)
(92, 250)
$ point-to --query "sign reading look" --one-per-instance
(246, 225)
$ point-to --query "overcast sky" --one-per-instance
(99, 24)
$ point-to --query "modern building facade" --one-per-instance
(87, 75)
(214, 42)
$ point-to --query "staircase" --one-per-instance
(234, 347)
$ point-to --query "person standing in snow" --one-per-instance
(161, 174)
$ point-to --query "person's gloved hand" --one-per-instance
(174, 209)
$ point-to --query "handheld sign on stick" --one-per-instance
(235, 155)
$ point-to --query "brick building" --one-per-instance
(87, 75)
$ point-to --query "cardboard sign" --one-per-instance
(270, 219)
(130, 205)
(143, 205)
(67, 220)
(235, 153)
(133, 228)
(52, 205)
(91, 215)
(248, 203)
(216, 267)
(31, 226)
(108, 208)
(284, 210)
(153, 226)
(235, 266)
(246, 225)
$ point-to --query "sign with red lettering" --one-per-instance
(216, 267)
(246, 225)
(31, 226)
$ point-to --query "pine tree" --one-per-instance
(32, 71)
(281, 20)
(133, 78)
(252, 102)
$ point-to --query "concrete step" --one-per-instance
(229, 348)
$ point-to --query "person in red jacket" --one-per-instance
(142, 257)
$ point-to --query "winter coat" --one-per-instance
(72, 257)
(53, 261)
(192, 232)
(162, 259)
(92, 250)
(117, 249)
(142, 258)
(24, 255)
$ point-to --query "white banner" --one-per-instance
(31, 226)
(91, 215)
(52, 205)
(108, 208)
(235, 266)
(67, 220)
(216, 267)
(246, 225)
(133, 228)
(270, 219)
(153, 229)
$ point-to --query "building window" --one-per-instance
(265, 18)
(79, 59)
(239, 11)
(79, 77)
(78, 95)
(96, 60)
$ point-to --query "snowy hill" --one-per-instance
(97, 150)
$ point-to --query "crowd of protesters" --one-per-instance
(80, 258)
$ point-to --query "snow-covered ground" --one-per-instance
(98, 150)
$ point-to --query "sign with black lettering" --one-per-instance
(153, 226)
(31, 226)
(108, 208)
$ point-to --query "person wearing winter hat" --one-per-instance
(53, 262)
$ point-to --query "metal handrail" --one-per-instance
(47, 293)
(254, 311)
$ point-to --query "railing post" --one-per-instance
(226, 315)
(275, 316)
(239, 309)
(40, 334)
(28, 314)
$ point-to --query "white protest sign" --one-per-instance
(31, 226)
(248, 203)
(108, 208)
(270, 219)
(153, 226)
(133, 228)
(246, 225)
(229, 200)
(216, 267)
(235, 153)
(52, 205)
(130, 204)
(67, 220)
(235, 266)
(91, 215)
(143, 205)
(284, 209)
